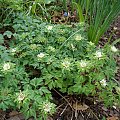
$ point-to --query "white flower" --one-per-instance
(47, 106)
(114, 49)
(83, 63)
(103, 82)
(98, 54)
(13, 50)
(41, 55)
(66, 64)
(115, 28)
(21, 96)
(78, 37)
(49, 27)
(114, 107)
(6, 66)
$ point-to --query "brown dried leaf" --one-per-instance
(13, 113)
(113, 118)
(80, 106)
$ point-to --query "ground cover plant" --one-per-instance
(38, 8)
(44, 57)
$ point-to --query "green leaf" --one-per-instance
(3, 106)
(80, 12)
(8, 33)
(36, 82)
(58, 83)
(1, 39)
(48, 1)
(51, 85)
(44, 90)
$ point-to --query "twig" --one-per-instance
(3, 116)
(72, 116)
(64, 98)
(76, 111)
(94, 114)
(64, 110)
(117, 82)
(88, 116)
(59, 106)
(82, 114)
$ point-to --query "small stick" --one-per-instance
(72, 116)
(88, 116)
(64, 110)
(76, 110)
(94, 114)
(82, 114)
(59, 106)
(3, 116)
(64, 99)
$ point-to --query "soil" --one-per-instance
(69, 107)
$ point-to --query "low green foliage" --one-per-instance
(36, 8)
(46, 56)
(7, 9)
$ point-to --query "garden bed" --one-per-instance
(57, 71)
